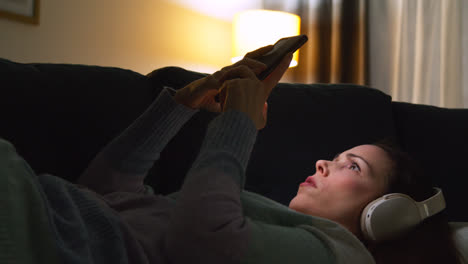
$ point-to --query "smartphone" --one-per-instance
(276, 55)
(280, 49)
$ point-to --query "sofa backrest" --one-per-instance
(59, 116)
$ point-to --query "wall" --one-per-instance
(141, 35)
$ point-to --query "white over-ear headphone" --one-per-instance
(394, 214)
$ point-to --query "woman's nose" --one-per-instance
(322, 167)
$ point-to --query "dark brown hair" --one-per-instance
(431, 241)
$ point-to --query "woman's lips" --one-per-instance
(310, 181)
(306, 184)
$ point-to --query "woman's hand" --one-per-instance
(244, 92)
(201, 93)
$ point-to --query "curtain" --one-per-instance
(335, 52)
(414, 50)
(418, 50)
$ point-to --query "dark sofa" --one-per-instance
(60, 115)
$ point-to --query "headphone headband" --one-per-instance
(432, 205)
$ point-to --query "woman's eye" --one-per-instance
(355, 167)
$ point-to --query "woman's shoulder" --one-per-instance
(316, 233)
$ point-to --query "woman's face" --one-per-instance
(340, 189)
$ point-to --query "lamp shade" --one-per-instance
(253, 29)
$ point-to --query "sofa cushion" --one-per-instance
(460, 234)
(305, 123)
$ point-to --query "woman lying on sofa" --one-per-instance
(110, 216)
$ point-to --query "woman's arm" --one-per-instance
(208, 223)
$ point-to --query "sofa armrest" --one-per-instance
(59, 116)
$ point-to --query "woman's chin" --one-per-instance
(296, 204)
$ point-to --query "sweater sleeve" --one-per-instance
(123, 164)
(208, 222)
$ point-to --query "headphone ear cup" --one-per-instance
(389, 217)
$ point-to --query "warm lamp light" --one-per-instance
(253, 29)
